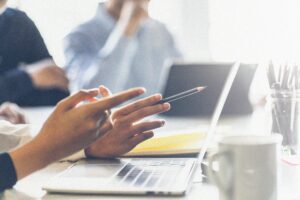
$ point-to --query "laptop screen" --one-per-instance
(213, 75)
(218, 109)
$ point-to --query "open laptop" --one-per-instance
(137, 176)
(183, 76)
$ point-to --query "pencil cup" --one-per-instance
(285, 110)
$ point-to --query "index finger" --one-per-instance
(148, 101)
(115, 100)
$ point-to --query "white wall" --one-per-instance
(221, 30)
(254, 30)
(187, 19)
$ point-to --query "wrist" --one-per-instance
(127, 28)
(31, 76)
(34, 79)
(29, 158)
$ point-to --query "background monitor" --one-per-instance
(185, 76)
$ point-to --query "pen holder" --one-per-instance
(285, 112)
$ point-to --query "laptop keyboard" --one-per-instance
(149, 174)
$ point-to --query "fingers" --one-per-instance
(140, 138)
(13, 113)
(107, 126)
(112, 101)
(145, 112)
(22, 119)
(18, 118)
(71, 101)
(138, 105)
(144, 127)
(103, 116)
(104, 91)
(10, 114)
(62, 80)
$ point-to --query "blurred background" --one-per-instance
(206, 30)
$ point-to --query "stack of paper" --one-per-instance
(175, 144)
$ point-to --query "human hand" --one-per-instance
(46, 75)
(133, 12)
(12, 113)
(68, 129)
(127, 129)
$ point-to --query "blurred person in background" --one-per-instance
(121, 47)
(28, 74)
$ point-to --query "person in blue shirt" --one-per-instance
(120, 47)
(28, 74)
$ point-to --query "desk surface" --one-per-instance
(30, 187)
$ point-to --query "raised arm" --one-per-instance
(106, 60)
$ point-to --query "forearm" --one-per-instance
(29, 158)
(117, 42)
(14, 84)
(20, 163)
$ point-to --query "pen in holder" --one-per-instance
(284, 82)
(285, 109)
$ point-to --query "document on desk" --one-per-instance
(175, 144)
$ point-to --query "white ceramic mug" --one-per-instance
(248, 167)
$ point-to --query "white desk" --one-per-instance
(30, 187)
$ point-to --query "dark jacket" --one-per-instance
(21, 43)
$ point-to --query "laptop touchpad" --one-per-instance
(92, 171)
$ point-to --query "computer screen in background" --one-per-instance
(213, 75)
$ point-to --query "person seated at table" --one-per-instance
(120, 47)
(74, 126)
(28, 74)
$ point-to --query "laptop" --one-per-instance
(137, 176)
(183, 76)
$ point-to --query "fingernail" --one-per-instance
(141, 90)
(166, 106)
(157, 97)
(163, 122)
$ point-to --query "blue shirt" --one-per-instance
(97, 54)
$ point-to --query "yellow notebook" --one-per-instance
(175, 144)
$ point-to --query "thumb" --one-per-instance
(104, 91)
(71, 101)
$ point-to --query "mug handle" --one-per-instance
(225, 188)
